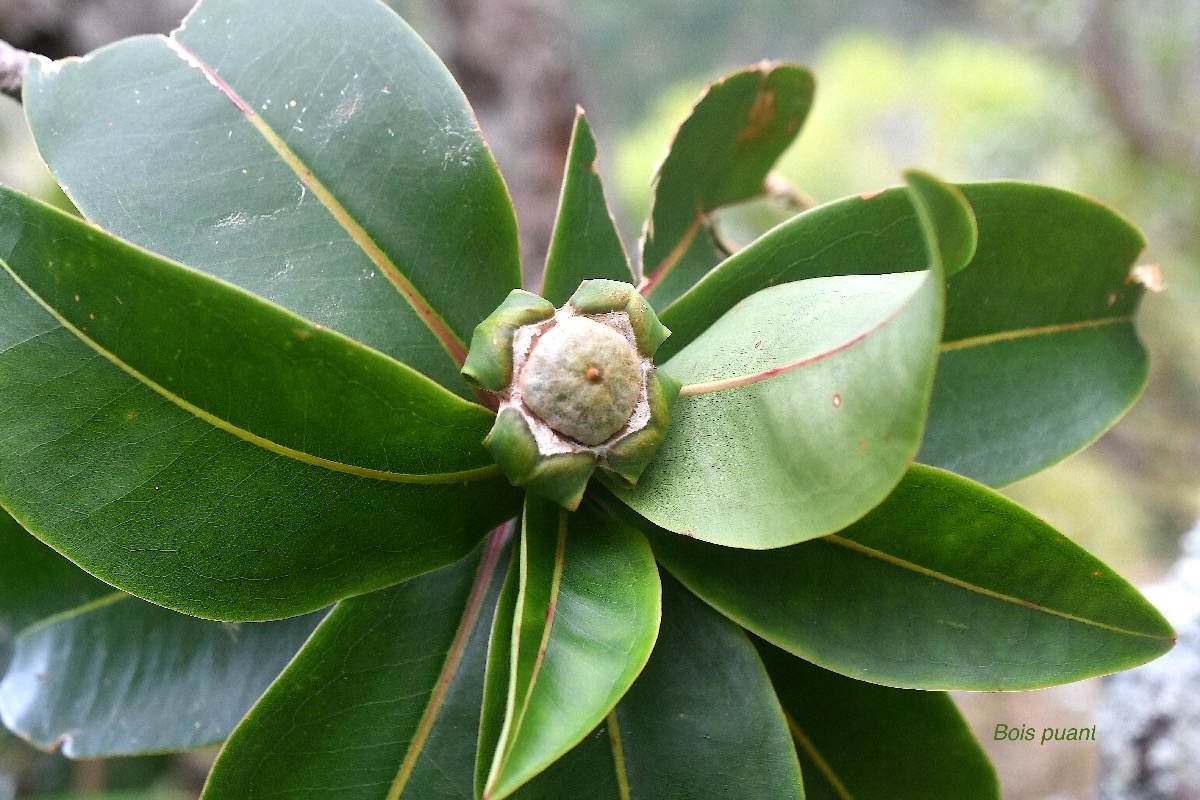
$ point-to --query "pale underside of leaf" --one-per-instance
(746, 379)
(77, 683)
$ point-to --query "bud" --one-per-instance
(577, 387)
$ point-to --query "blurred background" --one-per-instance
(1100, 96)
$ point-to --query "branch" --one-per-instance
(12, 69)
(1123, 90)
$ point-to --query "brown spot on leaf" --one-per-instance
(762, 114)
(837, 401)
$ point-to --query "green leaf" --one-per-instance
(162, 504)
(329, 164)
(945, 585)
(720, 155)
(245, 366)
(872, 235)
(1040, 355)
(702, 720)
(585, 614)
(585, 243)
(857, 740)
(382, 702)
(36, 581)
(950, 234)
(588, 772)
(808, 397)
(700, 723)
(119, 676)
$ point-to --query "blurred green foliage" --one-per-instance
(973, 108)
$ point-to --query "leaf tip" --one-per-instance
(946, 218)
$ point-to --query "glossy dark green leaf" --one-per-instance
(119, 676)
(584, 616)
(1040, 355)
(809, 398)
(383, 702)
(720, 155)
(163, 504)
(700, 723)
(585, 243)
(702, 720)
(588, 772)
(349, 713)
(36, 582)
(246, 366)
(945, 585)
(867, 742)
(325, 161)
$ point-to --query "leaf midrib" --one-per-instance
(618, 753)
(1024, 333)
(738, 381)
(437, 698)
(73, 613)
(981, 590)
(801, 738)
(660, 271)
(462, 476)
(454, 346)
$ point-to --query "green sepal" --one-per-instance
(602, 296)
(489, 363)
(560, 477)
(630, 456)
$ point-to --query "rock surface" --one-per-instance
(1149, 718)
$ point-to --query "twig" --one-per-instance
(1137, 116)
